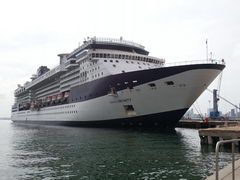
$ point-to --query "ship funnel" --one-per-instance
(63, 58)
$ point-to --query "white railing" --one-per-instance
(211, 61)
(45, 75)
(232, 141)
(118, 41)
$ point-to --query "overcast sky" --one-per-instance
(32, 33)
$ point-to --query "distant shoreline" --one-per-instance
(5, 118)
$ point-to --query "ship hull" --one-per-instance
(155, 97)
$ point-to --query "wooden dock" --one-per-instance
(212, 135)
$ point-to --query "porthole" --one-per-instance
(114, 65)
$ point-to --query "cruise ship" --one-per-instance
(112, 82)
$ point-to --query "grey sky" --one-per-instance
(32, 33)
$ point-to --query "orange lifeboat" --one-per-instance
(66, 94)
(54, 97)
(59, 96)
(49, 98)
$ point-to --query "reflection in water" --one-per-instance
(55, 152)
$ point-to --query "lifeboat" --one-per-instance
(32, 105)
(49, 98)
(66, 94)
(59, 97)
(65, 97)
(54, 97)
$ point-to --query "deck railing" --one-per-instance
(210, 61)
(118, 41)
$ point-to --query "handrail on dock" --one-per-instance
(219, 143)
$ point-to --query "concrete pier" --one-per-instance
(200, 124)
(213, 135)
(226, 173)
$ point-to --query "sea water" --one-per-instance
(58, 152)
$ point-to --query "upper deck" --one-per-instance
(110, 43)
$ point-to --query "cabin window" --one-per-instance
(111, 60)
(117, 61)
(169, 83)
(114, 65)
(152, 85)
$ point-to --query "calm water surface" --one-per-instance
(56, 152)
